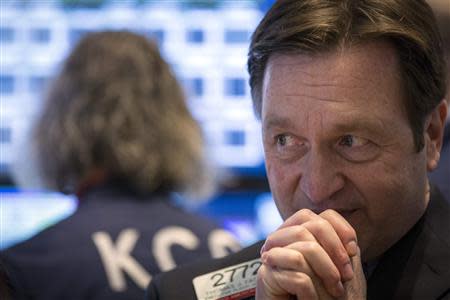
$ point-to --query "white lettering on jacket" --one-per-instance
(166, 238)
(222, 243)
(118, 261)
(117, 258)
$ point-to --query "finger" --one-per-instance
(286, 236)
(343, 229)
(357, 287)
(357, 263)
(267, 286)
(274, 283)
(322, 265)
(327, 237)
(308, 258)
(321, 230)
(300, 217)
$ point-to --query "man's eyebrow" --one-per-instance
(371, 126)
(275, 121)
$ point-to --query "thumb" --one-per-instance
(357, 287)
(357, 264)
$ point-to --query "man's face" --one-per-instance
(336, 136)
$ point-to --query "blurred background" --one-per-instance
(206, 43)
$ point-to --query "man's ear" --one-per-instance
(434, 131)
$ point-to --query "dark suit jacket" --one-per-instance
(65, 261)
(441, 176)
(417, 267)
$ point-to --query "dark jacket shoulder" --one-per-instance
(82, 251)
(418, 266)
(177, 284)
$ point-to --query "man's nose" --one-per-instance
(320, 177)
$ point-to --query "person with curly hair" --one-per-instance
(117, 133)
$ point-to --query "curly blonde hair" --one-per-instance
(116, 106)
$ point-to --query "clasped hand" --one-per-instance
(311, 256)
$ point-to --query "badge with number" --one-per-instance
(235, 282)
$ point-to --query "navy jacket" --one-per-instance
(415, 268)
(441, 176)
(110, 248)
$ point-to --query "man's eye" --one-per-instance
(357, 149)
(352, 141)
(287, 146)
(281, 139)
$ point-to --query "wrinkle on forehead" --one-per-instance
(311, 97)
(334, 78)
(313, 71)
(313, 86)
(335, 86)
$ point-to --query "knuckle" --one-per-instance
(342, 256)
(312, 247)
(269, 242)
(305, 287)
(262, 271)
(300, 232)
(333, 275)
(303, 280)
(270, 260)
(320, 226)
(330, 213)
(350, 232)
(304, 214)
(300, 261)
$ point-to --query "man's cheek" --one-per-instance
(275, 173)
(281, 174)
(283, 180)
(279, 181)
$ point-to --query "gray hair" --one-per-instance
(116, 106)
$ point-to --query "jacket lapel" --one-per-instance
(418, 266)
